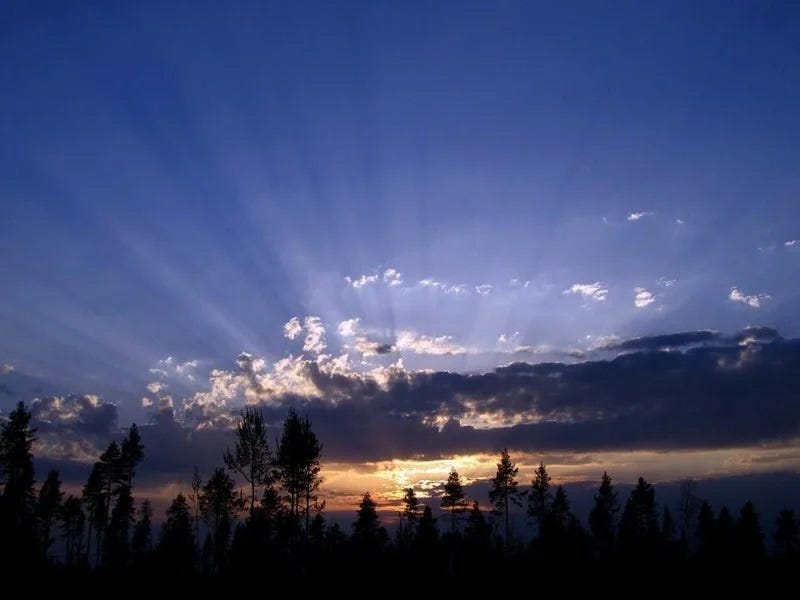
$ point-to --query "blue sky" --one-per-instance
(475, 184)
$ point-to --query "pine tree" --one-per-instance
(453, 498)
(47, 509)
(602, 515)
(706, 532)
(219, 503)
(411, 513)
(540, 497)
(73, 522)
(142, 541)
(787, 536)
(368, 534)
(197, 487)
(176, 547)
(427, 534)
(638, 527)
(749, 539)
(251, 457)
(298, 466)
(17, 522)
(94, 497)
(131, 454)
(504, 489)
(477, 531)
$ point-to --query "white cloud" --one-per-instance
(392, 277)
(680, 221)
(315, 335)
(349, 327)
(6, 368)
(292, 328)
(516, 282)
(792, 244)
(752, 300)
(504, 339)
(146, 402)
(635, 216)
(168, 367)
(361, 281)
(591, 291)
(154, 387)
(484, 289)
(423, 344)
(443, 287)
(642, 297)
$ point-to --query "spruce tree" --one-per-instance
(504, 490)
(453, 498)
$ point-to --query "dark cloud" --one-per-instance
(738, 391)
(670, 340)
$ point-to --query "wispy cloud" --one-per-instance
(360, 282)
(170, 366)
(680, 221)
(315, 340)
(6, 368)
(792, 244)
(349, 327)
(292, 328)
(751, 300)
(484, 289)
(442, 286)
(666, 283)
(411, 341)
(155, 387)
(642, 297)
(516, 282)
(636, 216)
(591, 291)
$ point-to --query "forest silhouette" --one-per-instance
(277, 522)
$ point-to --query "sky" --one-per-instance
(440, 229)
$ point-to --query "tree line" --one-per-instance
(278, 522)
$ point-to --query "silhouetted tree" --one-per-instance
(787, 536)
(749, 539)
(688, 507)
(298, 465)
(504, 490)
(110, 469)
(427, 538)
(176, 547)
(47, 509)
(116, 537)
(477, 532)
(706, 532)
(539, 497)
(94, 497)
(142, 541)
(17, 523)
(411, 513)
(453, 498)
(724, 536)
(73, 522)
(602, 515)
(638, 526)
(369, 536)
(218, 505)
(197, 488)
(131, 454)
(251, 457)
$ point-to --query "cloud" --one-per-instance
(792, 244)
(753, 300)
(484, 289)
(6, 368)
(766, 249)
(362, 281)
(591, 291)
(712, 395)
(642, 297)
(516, 282)
(443, 287)
(315, 340)
(664, 342)
(411, 341)
(169, 366)
(349, 327)
(155, 387)
(636, 216)
(665, 283)
(292, 328)
(678, 221)
(504, 339)
(392, 277)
